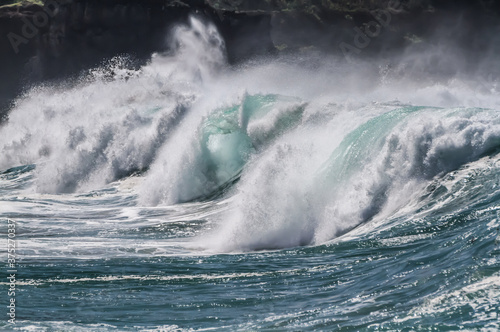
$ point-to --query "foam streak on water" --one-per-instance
(298, 193)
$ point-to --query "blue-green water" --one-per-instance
(87, 268)
(188, 197)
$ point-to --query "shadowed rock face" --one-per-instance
(67, 36)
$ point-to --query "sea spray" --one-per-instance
(115, 120)
(208, 155)
(375, 171)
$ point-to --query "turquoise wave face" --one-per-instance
(226, 143)
(222, 143)
(409, 144)
(359, 146)
(467, 140)
(225, 148)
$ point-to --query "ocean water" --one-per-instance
(297, 192)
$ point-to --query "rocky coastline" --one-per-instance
(55, 39)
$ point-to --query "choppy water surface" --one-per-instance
(292, 194)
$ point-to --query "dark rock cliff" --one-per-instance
(63, 37)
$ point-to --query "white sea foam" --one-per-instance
(286, 198)
(113, 122)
